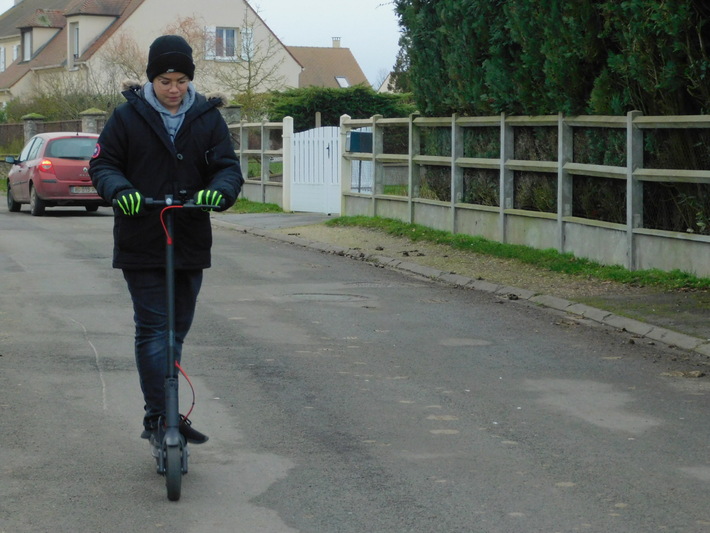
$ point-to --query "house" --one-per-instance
(328, 67)
(74, 45)
(385, 85)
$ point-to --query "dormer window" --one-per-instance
(75, 39)
(74, 48)
(27, 45)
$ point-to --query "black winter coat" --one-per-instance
(134, 151)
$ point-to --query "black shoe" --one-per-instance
(150, 425)
(191, 434)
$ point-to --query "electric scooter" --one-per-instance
(168, 445)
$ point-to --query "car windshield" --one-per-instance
(71, 148)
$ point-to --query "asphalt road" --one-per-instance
(339, 397)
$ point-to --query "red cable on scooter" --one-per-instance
(170, 241)
(162, 221)
(187, 378)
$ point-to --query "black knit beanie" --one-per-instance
(170, 53)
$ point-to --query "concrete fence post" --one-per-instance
(413, 171)
(346, 166)
(457, 151)
(564, 179)
(287, 161)
(243, 147)
(378, 176)
(264, 159)
(507, 176)
(92, 120)
(31, 125)
(634, 188)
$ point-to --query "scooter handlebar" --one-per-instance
(167, 202)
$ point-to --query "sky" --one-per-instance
(367, 27)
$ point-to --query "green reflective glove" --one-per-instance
(130, 201)
(209, 198)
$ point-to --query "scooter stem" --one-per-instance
(171, 376)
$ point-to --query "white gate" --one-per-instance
(315, 165)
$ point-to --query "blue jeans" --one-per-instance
(148, 292)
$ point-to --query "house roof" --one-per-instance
(321, 66)
(13, 18)
(109, 8)
(44, 18)
(53, 54)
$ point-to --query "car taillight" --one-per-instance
(46, 165)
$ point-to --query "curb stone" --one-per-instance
(653, 333)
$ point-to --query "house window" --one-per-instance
(27, 45)
(229, 44)
(15, 52)
(343, 82)
(74, 40)
(225, 43)
(3, 65)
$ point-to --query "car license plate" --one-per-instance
(83, 190)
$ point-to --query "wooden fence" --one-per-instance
(625, 243)
(260, 147)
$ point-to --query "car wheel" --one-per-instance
(37, 205)
(12, 205)
(92, 208)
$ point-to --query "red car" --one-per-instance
(52, 170)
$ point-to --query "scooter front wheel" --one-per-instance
(173, 471)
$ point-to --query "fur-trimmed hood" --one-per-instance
(135, 85)
(217, 95)
(130, 85)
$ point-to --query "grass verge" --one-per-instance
(549, 259)
(244, 206)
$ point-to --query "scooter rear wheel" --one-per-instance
(173, 471)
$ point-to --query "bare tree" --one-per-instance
(255, 71)
(123, 55)
(193, 30)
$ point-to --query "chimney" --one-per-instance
(336, 42)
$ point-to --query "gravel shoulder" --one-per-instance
(686, 312)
